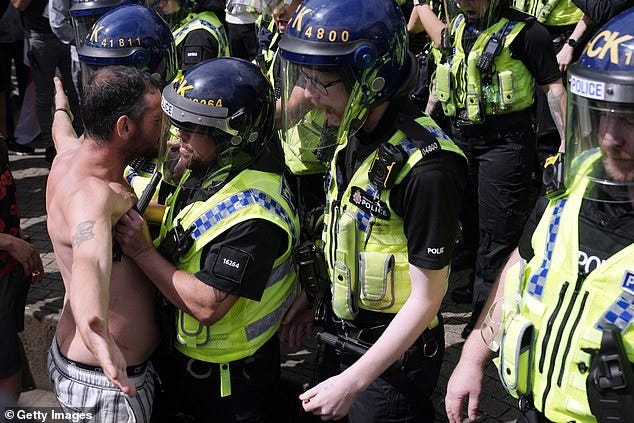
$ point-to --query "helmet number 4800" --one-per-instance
(332, 35)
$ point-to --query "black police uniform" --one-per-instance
(427, 199)
(501, 153)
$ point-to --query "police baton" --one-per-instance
(342, 344)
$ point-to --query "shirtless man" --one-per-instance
(106, 331)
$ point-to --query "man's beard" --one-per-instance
(142, 146)
(620, 170)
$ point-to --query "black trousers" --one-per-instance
(190, 389)
(496, 201)
(243, 40)
(403, 393)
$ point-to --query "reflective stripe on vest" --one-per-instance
(536, 282)
(620, 314)
(234, 203)
(552, 12)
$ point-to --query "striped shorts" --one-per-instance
(90, 391)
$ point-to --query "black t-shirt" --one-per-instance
(429, 197)
(534, 47)
(199, 45)
(241, 259)
(604, 229)
(601, 11)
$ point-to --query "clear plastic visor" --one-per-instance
(208, 150)
(82, 25)
(254, 7)
(600, 144)
(310, 113)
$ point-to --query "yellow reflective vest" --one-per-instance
(552, 314)
(365, 246)
(461, 85)
(550, 12)
(248, 324)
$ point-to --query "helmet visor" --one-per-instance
(238, 7)
(82, 25)
(201, 138)
(600, 144)
(309, 121)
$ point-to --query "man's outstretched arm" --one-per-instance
(62, 131)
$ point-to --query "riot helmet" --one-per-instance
(84, 14)
(130, 35)
(360, 45)
(280, 10)
(225, 104)
(600, 130)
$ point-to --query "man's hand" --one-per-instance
(465, 383)
(297, 322)
(132, 234)
(61, 100)
(332, 398)
(62, 131)
(27, 255)
(110, 357)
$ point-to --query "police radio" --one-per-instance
(388, 162)
(176, 243)
(492, 48)
(553, 175)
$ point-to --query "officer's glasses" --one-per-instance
(320, 86)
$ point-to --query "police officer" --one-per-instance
(197, 28)
(566, 336)
(393, 191)
(227, 244)
(486, 87)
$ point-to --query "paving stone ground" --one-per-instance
(45, 301)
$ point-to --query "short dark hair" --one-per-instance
(111, 92)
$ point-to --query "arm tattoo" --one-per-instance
(220, 295)
(84, 232)
(558, 115)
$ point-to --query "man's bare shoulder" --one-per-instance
(78, 190)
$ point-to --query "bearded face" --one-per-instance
(616, 132)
